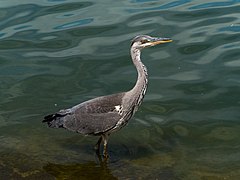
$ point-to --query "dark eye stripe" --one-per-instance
(144, 41)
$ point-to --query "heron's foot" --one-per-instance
(105, 152)
(103, 138)
(105, 155)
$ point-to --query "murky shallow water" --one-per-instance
(55, 54)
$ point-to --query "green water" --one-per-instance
(56, 53)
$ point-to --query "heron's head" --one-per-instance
(144, 41)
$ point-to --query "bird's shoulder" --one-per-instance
(103, 104)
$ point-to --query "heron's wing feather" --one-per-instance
(94, 116)
(103, 104)
(91, 123)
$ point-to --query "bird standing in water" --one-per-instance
(106, 114)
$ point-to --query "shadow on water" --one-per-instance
(111, 169)
(89, 170)
(21, 166)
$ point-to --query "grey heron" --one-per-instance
(106, 114)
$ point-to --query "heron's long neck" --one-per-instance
(141, 85)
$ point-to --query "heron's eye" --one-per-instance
(144, 41)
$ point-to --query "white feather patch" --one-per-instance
(118, 109)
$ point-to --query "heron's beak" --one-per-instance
(156, 41)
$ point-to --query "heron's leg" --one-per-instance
(97, 146)
(105, 141)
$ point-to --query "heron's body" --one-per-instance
(106, 114)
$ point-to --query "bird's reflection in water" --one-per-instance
(89, 170)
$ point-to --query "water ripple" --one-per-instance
(161, 7)
(183, 76)
(215, 4)
(232, 28)
(77, 23)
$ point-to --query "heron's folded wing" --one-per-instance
(91, 123)
(96, 115)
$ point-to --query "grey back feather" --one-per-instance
(95, 116)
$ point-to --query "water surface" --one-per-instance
(56, 53)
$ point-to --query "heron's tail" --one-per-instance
(55, 120)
